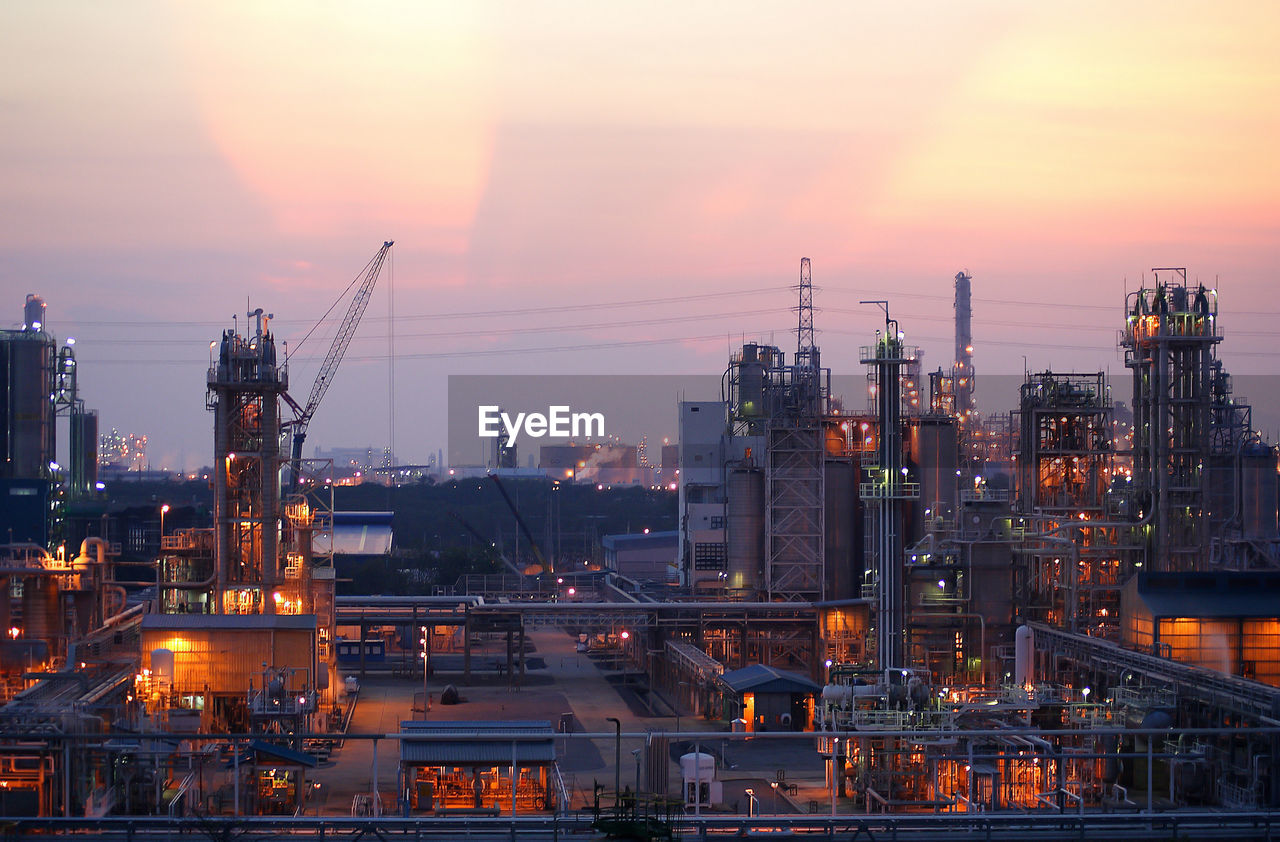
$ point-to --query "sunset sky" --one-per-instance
(163, 164)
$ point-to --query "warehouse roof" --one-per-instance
(477, 743)
(760, 678)
(639, 540)
(282, 754)
(1209, 595)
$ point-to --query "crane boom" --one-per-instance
(528, 536)
(341, 341)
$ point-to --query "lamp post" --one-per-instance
(617, 759)
(835, 770)
(774, 784)
(159, 561)
(753, 803)
(635, 752)
(425, 640)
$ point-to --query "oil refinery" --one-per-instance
(889, 612)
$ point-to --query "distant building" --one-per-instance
(648, 557)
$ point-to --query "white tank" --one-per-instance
(698, 765)
(1024, 659)
(162, 665)
(837, 694)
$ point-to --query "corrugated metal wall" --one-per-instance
(225, 661)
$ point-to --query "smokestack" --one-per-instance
(964, 349)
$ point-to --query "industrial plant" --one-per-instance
(897, 611)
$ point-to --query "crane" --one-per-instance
(543, 564)
(324, 378)
(487, 542)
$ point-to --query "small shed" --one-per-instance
(479, 768)
(768, 699)
(279, 778)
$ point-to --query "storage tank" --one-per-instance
(1024, 657)
(33, 313)
(840, 522)
(750, 384)
(1258, 492)
(41, 613)
(744, 532)
(84, 453)
(26, 396)
(936, 452)
(162, 666)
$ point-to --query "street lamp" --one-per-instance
(774, 784)
(164, 510)
(617, 758)
(425, 640)
(835, 770)
(635, 752)
(679, 700)
(753, 803)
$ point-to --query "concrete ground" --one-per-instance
(565, 681)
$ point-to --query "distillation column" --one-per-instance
(888, 490)
(245, 387)
(1169, 336)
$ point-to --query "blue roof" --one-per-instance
(759, 678)
(282, 753)
(362, 518)
(636, 540)
(477, 743)
(1220, 594)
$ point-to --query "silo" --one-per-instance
(1258, 492)
(744, 533)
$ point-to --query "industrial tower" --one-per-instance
(794, 476)
(888, 490)
(244, 394)
(1169, 338)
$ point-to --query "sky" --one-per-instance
(619, 187)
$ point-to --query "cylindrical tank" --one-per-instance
(26, 368)
(163, 665)
(41, 617)
(936, 452)
(843, 573)
(1024, 656)
(1258, 493)
(744, 533)
(750, 383)
(33, 313)
(84, 453)
(698, 765)
(837, 694)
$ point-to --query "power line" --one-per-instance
(521, 311)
